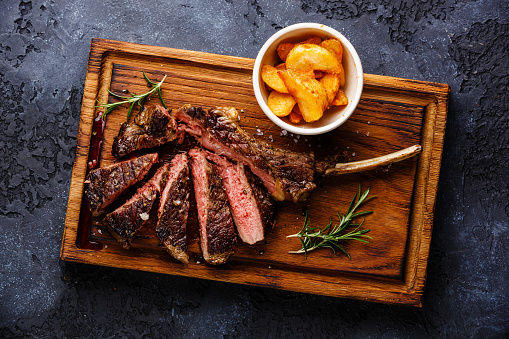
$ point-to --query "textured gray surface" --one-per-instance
(43, 54)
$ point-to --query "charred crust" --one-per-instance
(151, 127)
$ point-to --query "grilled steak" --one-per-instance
(287, 175)
(294, 171)
(104, 185)
(151, 127)
(217, 233)
(222, 137)
(263, 201)
(174, 208)
(130, 217)
(244, 205)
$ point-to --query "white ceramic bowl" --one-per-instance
(334, 116)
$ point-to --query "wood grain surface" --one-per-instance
(393, 114)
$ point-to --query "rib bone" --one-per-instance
(370, 164)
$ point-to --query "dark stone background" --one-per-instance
(44, 49)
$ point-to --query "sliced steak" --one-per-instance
(104, 185)
(244, 204)
(130, 217)
(217, 232)
(152, 127)
(263, 201)
(295, 171)
(174, 209)
(217, 130)
(221, 136)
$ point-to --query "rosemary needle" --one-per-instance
(134, 99)
(312, 237)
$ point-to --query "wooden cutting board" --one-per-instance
(393, 114)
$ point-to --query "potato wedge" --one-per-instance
(314, 57)
(340, 99)
(281, 67)
(272, 79)
(342, 76)
(330, 82)
(312, 40)
(295, 116)
(285, 48)
(281, 104)
(335, 47)
(307, 91)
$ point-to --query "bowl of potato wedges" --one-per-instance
(308, 78)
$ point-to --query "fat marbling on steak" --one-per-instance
(174, 208)
(250, 203)
(152, 127)
(287, 175)
(104, 185)
(217, 232)
(126, 220)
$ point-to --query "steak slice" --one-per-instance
(217, 232)
(174, 209)
(104, 185)
(263, 201)
(287, 175)
(130, 217)
(244, 205)
(151, 127)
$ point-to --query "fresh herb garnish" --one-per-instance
(134, 99)
(312, 237)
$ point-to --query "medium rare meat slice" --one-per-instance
(263, 201)
(104, 185)
(126, 220)
(217, 130)
(222, 137)
(151, 127)
(174, 208)
(217, 233)
(247, 213)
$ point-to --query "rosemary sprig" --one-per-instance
(134, 99)
(312, 237)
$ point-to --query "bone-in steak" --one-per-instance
(104, 185)
(247, 210)
(174, 208)
(152, 127)
(217, 232)
(126, 220)
(287, 175)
